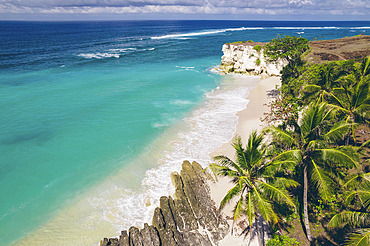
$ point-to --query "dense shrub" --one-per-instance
(282, 240)
(257, 48)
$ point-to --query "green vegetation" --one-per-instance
(317, 155)
(258, 62)
(290, 49)
(282, 240)
(241, 42)
(283, 111)
(257, 181)
(316, 160)
(238, 42)
(257, 48)
(358, 216)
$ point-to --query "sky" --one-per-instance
(185, 9)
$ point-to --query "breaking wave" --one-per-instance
(206, 32)
(116, 53)
(215, 31)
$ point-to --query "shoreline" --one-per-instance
(249, 117)
(107, 209)
(248, 121)
(203, 199)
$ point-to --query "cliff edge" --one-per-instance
(248, 58)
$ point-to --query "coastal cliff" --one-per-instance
(189, 218)
(248, 58)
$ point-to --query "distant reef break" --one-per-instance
(189, 218)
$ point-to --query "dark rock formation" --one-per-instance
(150, 236)
(124, 239)
(188, 219)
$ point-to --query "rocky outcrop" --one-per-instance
(248, 58)
(188, 219)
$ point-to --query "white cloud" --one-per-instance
(225, 7)
(301, 2)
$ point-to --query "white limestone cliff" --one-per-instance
(244, 58)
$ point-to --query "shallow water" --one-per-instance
(130, 196)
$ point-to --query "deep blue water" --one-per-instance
(83, 99)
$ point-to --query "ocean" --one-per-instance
(96, 115)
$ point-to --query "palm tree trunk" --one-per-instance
(305, 209)
(258, 232)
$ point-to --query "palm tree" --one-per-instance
(364, 68)
(359, 194)
(309, 147)
(256, 186)
(327, 78)
(353, 99)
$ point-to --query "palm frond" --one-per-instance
(277, 193)
(244, 181)
(280, 135)
(360, 237)
(311, 88)
(285, 182)
(293, 155)
(356, 180)
(240, 153)
(227, 162)
(362, 194)
(352, 218)
(366, 144)
(223, 171)
(327, 113)
(273, 167)
(313, 117)
(338, 155)
(254, 150)
(339, 108)
(285, 160)
(307, 121)
(361, 93)
(333, 98)
(337, 132)
(321, 181)
(317, 144)
(249, 208)
(238, 209)
(236, 190)
(365, 66)
(264, 207)
(353, 181)
(364, 109)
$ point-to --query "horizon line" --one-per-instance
(115, 20)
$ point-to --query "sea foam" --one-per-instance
(98, 55)
(206, 128)
(215, 31)
(205, 32)
(116, 53)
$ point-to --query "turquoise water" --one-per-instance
(69, 133)
(94, 116)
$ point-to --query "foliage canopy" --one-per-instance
(290, 48)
